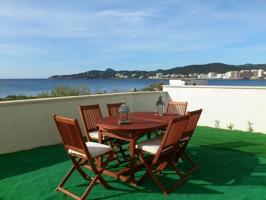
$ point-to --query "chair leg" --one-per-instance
(93, 180)
(78, 168)
(61, 189)
(176, 170)
(149, 172)
(122, 152)
(102, 181)
(99, 173)
(156, 180)
(115, 156)
(85, 194)
(143, 178)
(161, 167)
(109, 158)
(65, 178)
(189, 159)
(182, 178)
(152, 175)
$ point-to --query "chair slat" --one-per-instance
(90, 114)
(113, 109)
(179, 108)
(71, 134)
(192, 123)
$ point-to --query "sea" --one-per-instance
(30, 87)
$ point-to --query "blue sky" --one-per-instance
(42, 38)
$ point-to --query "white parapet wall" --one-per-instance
(227, 104)
(27, 124)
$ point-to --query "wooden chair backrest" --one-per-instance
(71, 134)
(174, 107)
(90, 114)
(191, 124)
(113, 109)
(172, 135)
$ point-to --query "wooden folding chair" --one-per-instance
(90, 115)
(184, 141)
(163, 150)
(174, 107)
(186, 137)
(113, 108)
(81, 154)
(179, 108)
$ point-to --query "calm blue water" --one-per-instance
(36, 86)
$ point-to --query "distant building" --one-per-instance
(118, 75)
(192, 75)
(202, 76)
(212, 75)
(237, 75)
(246, 74)
(229, 75)
(220, 76)
(159, 75)
(133, 75)
(257, 73)
(233, 75)
(261, 73)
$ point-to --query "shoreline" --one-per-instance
(129, 79)
(34, 87)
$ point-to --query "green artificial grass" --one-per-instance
(232, 165)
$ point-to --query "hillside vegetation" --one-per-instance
(189, 69)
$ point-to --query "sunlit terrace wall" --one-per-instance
(28, 124)
(226, 104)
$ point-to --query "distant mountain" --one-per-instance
(189, 69)
(212, 67)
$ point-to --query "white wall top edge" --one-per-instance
(28, 101)
(218, 87)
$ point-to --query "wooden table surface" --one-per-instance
(137, 121)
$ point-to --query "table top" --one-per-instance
(138, 121)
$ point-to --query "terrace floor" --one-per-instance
(232, 165)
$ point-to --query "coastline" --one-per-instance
(33, 87)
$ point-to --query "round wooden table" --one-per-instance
(139, 123)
